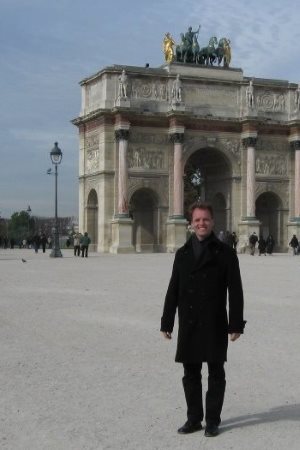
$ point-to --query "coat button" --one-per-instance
(192, 277)
(191, 307)
(191, 291)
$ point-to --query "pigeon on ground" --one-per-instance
(24, 260)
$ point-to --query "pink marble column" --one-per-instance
(122, 138)
(250, 143)
(296, 147)
(178, 189)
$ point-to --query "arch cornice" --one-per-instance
(230, 147)
(280, 190)
(159, 186)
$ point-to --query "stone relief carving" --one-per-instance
(232, 146)
(92, 153)
(139, 157)
(151, 90)
(92, 161)
(271, 102)
(91, 141)
(271, 165)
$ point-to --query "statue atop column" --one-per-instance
(177, 90)
(168, 48)
(250, 95)
(122, 92)
(122, 99)
(297, 98)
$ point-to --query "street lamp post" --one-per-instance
(28, 212)
(56, 157)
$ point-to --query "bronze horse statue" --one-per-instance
(207, 55)
(223, 51)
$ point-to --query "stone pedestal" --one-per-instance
(122, 235)
(179, 107)
(122, 103)
(246, 227)
(176, 233)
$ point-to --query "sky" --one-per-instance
(48, 46)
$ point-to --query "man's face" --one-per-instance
(202, 223)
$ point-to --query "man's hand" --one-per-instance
(234, 336)
(167, 334)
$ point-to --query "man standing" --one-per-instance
(85, 242)
(204, 270)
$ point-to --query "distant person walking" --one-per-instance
(261, 245)
(270, 242)
(235, 240)
(36, 242)
(85, 242)
(76, 241)
(294, 243)
(44, 242)
(252, 243)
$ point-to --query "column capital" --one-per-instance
(295, 145)
(121, 135)
(176, 138)
(249, 141)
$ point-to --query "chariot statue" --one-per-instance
(188, 50)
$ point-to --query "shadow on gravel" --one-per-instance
(278, 414)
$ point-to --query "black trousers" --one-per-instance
(192, 385)
(84, 250)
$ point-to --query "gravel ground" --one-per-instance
(83, 365)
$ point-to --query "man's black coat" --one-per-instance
(199, 290)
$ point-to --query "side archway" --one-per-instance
(269, 211)
(92, 218)
(143, 209)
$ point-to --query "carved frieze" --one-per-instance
(271, 164)
(92, 153)
(269, 101)
(232, 146)
(151, 90)
(92, 161)
(139, 157)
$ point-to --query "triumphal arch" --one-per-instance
(152, 140)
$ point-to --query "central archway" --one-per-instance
(208, 176)
(143, 207)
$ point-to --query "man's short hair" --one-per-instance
(201, 205)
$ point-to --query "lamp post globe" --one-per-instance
(56, 157)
